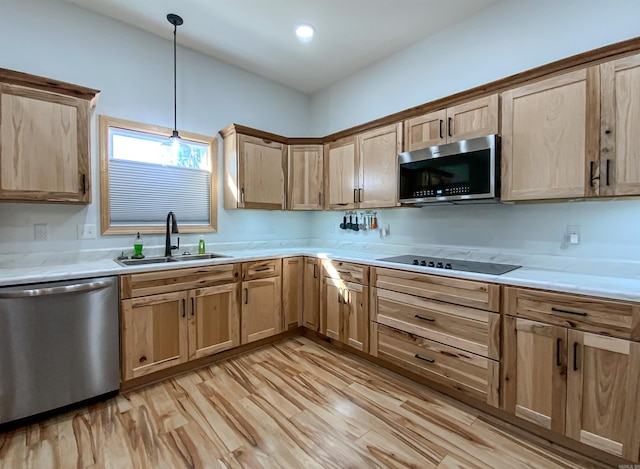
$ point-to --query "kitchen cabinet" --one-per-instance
(261, 310)
(585, 385)
(292, 292)
(172, 316)
(341, 173)
(378, 167)
(311, 294)
(445, 329)
(619, 172)
(306, 177)
(550, 134)
(255, 171)
(44, 140)
(345, 304)
(472, 119)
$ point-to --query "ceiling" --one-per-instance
(258, 35)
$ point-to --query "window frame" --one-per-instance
(106, 228)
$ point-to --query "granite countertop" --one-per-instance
(621, 288)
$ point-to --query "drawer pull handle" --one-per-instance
(558, 347)
(345, 272)
(556, 310)
(262, 269)
(424, 318)
(420, 357)
(575, 356)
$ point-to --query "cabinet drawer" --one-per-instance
(613, 318)
(165, 281)
(346, 271)
(261, 269)
(479, 295)
(474, 375)
(469, 329)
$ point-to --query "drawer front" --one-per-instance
(261, 269)
(474, 375)
(612, 318)
(346, 271)
(166, 281)
(469, 329)
(470, 293)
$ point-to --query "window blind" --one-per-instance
(142, 193)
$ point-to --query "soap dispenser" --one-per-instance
(137, 247)
(201, 245)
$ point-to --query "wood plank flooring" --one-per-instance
(294, 404)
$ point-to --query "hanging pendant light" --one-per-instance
(175, 142)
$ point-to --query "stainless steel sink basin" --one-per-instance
(163, 260)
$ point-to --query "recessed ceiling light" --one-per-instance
(305, 31)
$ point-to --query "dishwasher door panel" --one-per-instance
(59, 344)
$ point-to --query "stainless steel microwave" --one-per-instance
(462, 172)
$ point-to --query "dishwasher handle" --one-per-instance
(79, 287)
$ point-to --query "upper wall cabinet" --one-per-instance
(44, 140)
(255, 171)
(305, 177)
(468, 120)
(341, 173)
(619, 172)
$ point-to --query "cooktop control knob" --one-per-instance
(415, 262)
(439, 265)
(447, 266)
(431, 264)
(423, 263)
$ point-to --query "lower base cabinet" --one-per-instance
(311, 294)
(346, 312)
(261, 309)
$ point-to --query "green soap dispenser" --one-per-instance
(137, 247)
(201, 245)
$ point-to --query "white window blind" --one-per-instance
(143, 193)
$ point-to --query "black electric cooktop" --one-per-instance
(490, 268)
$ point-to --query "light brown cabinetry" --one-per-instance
(345, 304)
(292, 292)
(341, 173)
(261, 311)
(306, 177)
(255, 171)
(311, 294)
(472, 119)
(167, 320)
(582, 384)
(442, 328)
(44, 142)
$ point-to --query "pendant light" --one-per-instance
(175, 141)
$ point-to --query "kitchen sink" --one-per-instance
(163, 259)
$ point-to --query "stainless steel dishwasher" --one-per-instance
(59, 344)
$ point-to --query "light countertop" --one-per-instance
(563, 281)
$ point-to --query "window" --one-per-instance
(143, 178)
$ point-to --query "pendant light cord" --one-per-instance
(175, 79)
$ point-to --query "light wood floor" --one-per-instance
(294, 404)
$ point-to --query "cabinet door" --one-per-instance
(619, 138)
(261, 173)
(379, 167)
(292, 278)
(341, 173)
(535, 372)
(603, 393)
(425, 131)
(305, 177)
(333, 300)
(550, 134)
(311, 294)
(214, 320)
(44, 155)
(261, 309)
(154, 333)
(356, 316)
(473, 119)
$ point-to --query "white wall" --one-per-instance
(508, 38)
(134, 71)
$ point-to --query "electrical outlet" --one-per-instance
(40, 231)
(573, 234)
(86, 231)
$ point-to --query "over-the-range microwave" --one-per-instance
(461, 172)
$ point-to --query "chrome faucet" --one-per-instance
(168, 247)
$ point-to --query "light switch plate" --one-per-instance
(86, 231)
(40, 231)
